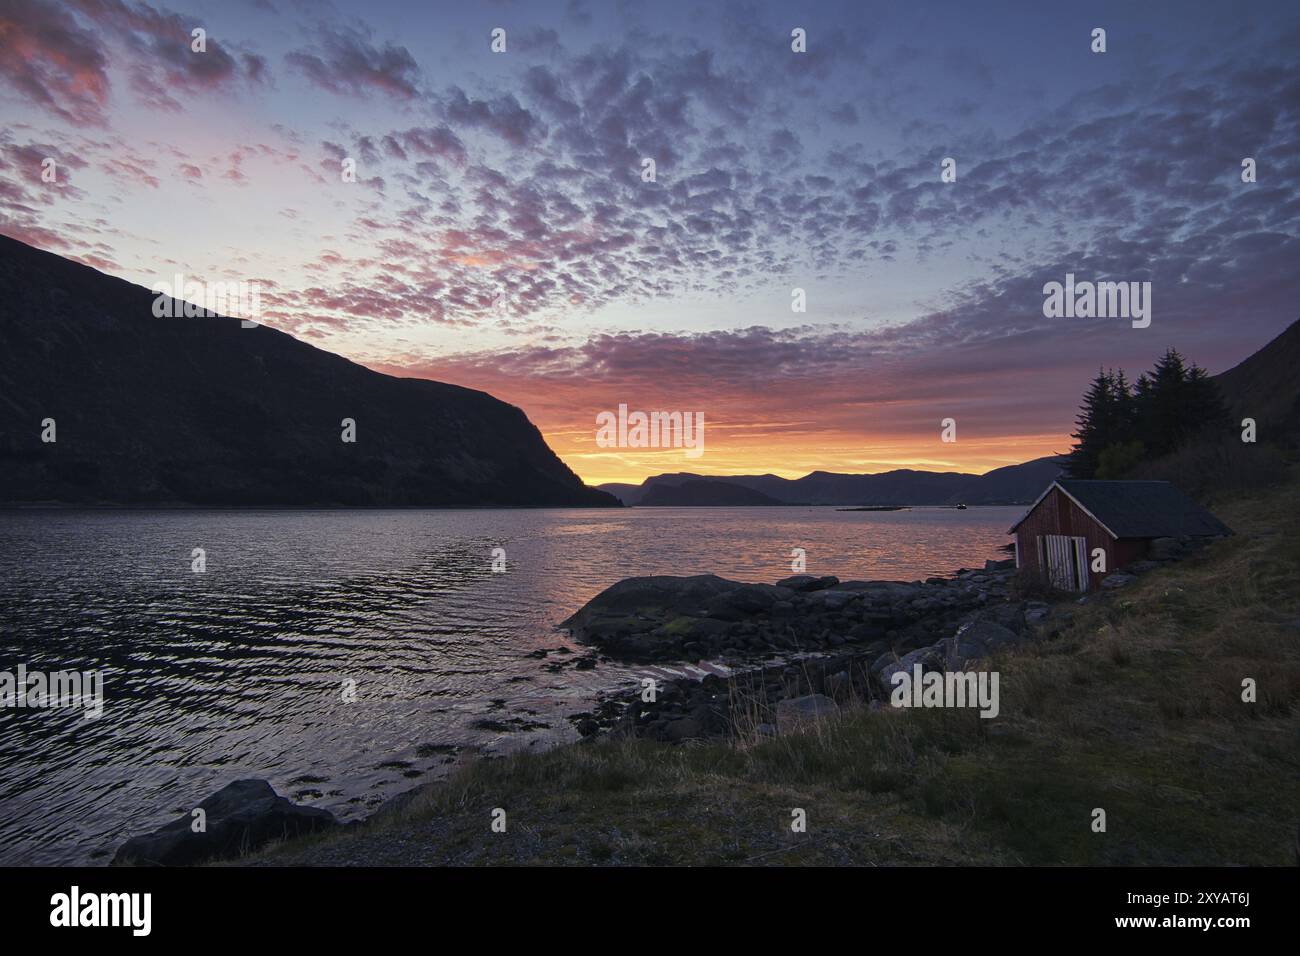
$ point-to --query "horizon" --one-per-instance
(500, 235)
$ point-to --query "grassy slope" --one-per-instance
(1135, 708)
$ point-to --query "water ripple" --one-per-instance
(239, 671)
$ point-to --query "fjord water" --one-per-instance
(240, 671)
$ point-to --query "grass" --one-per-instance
(1134, 707)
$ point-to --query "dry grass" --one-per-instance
(1136, 707)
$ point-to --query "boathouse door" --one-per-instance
(1066, 561)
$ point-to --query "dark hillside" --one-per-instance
(202, 411)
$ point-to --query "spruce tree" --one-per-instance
(1125, 410)
(1121, 424)
(1095, 421)
(1162, 412)
(1206, 409)
(1176, 403)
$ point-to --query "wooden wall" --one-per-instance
(1057, 514)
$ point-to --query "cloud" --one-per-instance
(59, 55)
(502, 116)
(49, 58)
(514, 203)
(345, 61)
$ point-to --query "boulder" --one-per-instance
(839, 685)
(1117, 579)
(892, 592)
(685, 629)
(1010, 616)
(830, 600)
(744, 600)
(795, 712)
(808, 582)
(647, 598)
(649, 618)
(883, 661)
(977, 639)
(241, 816)
(930, 658)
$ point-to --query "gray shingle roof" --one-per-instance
(1143, 509)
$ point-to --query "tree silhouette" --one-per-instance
(1119, 426)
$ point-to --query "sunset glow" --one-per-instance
(500, 232)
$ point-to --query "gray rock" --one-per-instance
(866, 632)
(930, 658)
(830, 600)
(746, 599)
(646, 598)
(1117, 579)
(694, 628)
(241, 816)
(808, 582)
(1010, 616)
(657, 617)
(883, 661)
(978, 639)
(839, 685)
(799, 711)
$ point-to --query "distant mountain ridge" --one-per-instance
(201, 411)
(1013, 484)
(701, 492)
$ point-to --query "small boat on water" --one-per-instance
(961, 507)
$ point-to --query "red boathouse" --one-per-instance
(1058, 537)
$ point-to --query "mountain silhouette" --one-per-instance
(705, 492)
(1264, 386)
(202, 411)
(1014, 484)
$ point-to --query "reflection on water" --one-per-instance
(239, 671)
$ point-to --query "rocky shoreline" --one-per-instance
(654, 619)
(839, 643)
(843, 641)
(799, 650)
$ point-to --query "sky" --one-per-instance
(501, 233)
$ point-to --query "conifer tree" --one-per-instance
(1119, 424)
(1096, 422)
